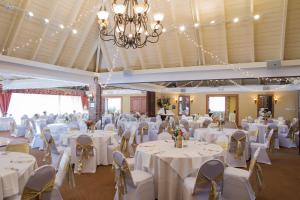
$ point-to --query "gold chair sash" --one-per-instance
(85, 151)
(47, 156)
(237, 146)
(23, 148)
(29, 194)
(272, 144)
(141, 132)
(124, 146)
(203, 181)
(256, 169)
(120, 177)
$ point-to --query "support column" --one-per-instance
(298, 115)
(95, 104)
(150, 102)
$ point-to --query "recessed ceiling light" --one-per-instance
(182, 28)
(236, 20)
(256, 17)
(46, 20)
(61, 26)
(212, 22)
(30, 14)
(74, 31)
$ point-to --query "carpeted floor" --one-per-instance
(282, 179)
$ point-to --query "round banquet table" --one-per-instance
(57, 130)
(170, 165)
(15, 170)
(101, 139)
(4, 141)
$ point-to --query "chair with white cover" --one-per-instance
(65, 171)
(237, 184)
(206, 123)
(131, 185)
(109, 127)
(288, 139)
(208, 184)
(253, 135)
(40, 185)
(127, 147)
(85, 155)
(164, 136)
(142, 132)
(268, 146)
(273, 126)
(186, 128)
(236, 154)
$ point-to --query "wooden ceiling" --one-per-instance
(276, 35)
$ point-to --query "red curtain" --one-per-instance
(4, 102)
(85, 101)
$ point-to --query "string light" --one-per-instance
(61, 26)
(196, 25)
(30, 14)
(236, 20)
(212, 22)
(256, 17)
(182, 28)
(74, 31)
(46, 20)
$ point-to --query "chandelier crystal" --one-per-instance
(131, 28)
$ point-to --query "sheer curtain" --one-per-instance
(31, 104)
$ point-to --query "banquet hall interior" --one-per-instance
(149, 99)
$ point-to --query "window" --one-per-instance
(217, 104)
(31, 104)
(113, 105)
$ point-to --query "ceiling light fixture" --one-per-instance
(30, 14)
(182, 28)
(46, 20)
(61, 26)
(74, 31)
(212, 22)
(130, 22)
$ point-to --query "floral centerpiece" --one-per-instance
(164, 103)
(178, 137)
(90, 125)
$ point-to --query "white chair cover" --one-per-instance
(207, 183)
(164, 136)
(263, 155)
(109, 127)
(138, 185)
(89, 162)
(237, 183)
(237, 143)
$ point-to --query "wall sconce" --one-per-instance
(275, 100)
(176, 100)
(192, 100)
(255, 101)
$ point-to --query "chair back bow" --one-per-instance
(124, 145)
(84, 150)
(271, 141)
(210, 174)
(49, 143)
(237, 144)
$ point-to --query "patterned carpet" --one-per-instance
(282, 179)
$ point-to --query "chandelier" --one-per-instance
(131, 27)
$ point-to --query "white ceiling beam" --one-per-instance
(66, 33)
(283, 28)
(180, 55)
(141, 86)
(15, 27)
(37, 84)
(33, 69)
(52, 14)
(257, 69)
(91, 55)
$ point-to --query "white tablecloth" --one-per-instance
(6, 123)
(100, 141)
(15, 169)
(4, 141)
(170, 165)
(57, 130)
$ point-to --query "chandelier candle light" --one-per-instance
(131, 28)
